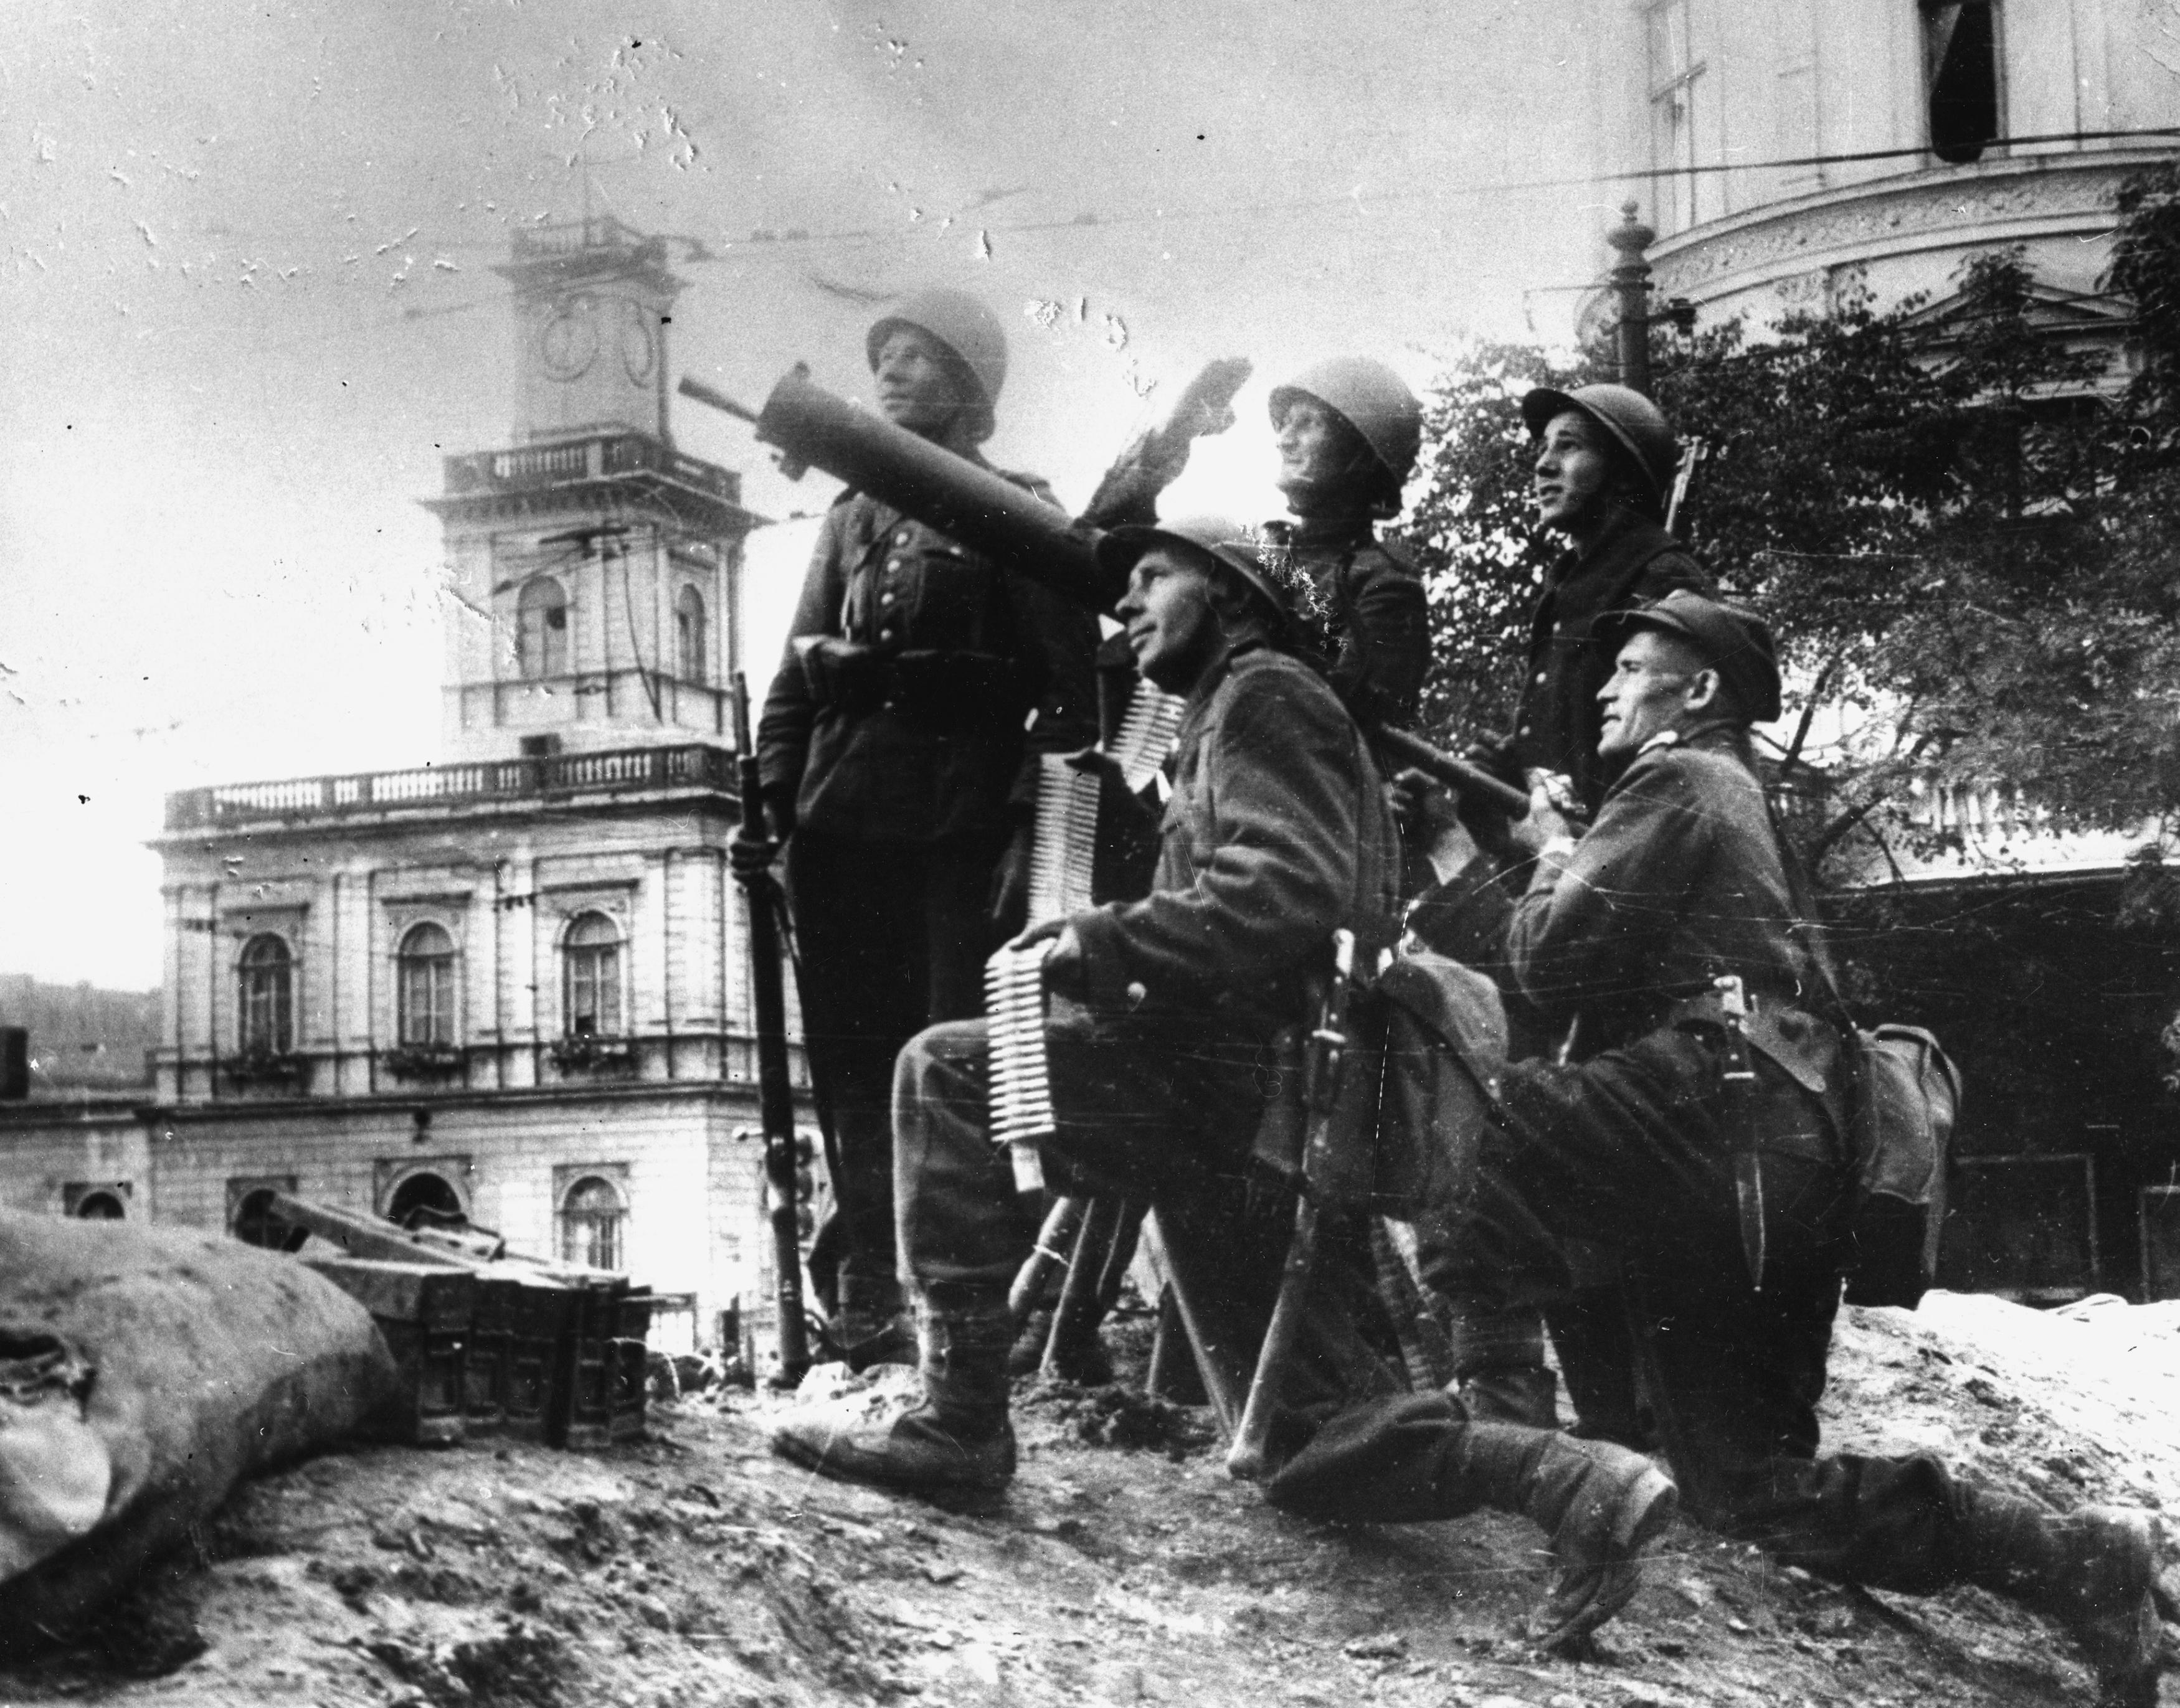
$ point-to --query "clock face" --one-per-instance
(567, 341)
(639, 345)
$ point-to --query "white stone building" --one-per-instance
(1707, 94)
(512, 983)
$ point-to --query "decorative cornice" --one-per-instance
(1998, 201)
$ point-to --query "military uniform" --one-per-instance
(895, 726)
(1681, 880)
(1555, 727)
(1276, 834)
(1368, 624)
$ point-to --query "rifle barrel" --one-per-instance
(1457, 774)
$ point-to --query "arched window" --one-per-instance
(592, 1219)
(427, 1192)
(101, 1206)
(255, 1223)
(267, 977)
(540, 629)
(1960, 47)
(591, 968)
(424, 985)
(689, 635)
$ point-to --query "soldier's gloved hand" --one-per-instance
(1066, 972)
(750, 856)
(1008, 902)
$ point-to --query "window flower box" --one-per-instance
(433, 1061)
(260, 1066)
(592, 1052)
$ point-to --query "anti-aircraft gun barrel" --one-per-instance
(813, 428)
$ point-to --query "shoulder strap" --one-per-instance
(1807, 926)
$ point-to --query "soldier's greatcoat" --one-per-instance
(1277, 833)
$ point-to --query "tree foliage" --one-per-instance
(1962, 528)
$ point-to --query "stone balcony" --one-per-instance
(544, 779)
(607, 456)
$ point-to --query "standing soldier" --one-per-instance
(1348, 430)
(896, 766)
(1604, 460)
(1161, 1009)
(1729, 1192)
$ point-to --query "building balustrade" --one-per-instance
(598, 457)
(697, 765)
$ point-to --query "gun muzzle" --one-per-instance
(716, 398)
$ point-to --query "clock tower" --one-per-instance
(597, 570)
(593, 303)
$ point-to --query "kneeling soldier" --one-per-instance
(1161, 1013)
(1728, 1194)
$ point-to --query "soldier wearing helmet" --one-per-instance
(1276, 833)
(896, 766)
(1604, 459)
(1604, 462)
(1347, 432)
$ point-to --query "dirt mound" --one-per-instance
(1124, 1566)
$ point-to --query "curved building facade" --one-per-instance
(1749, 112)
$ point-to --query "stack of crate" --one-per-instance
(490, 1343)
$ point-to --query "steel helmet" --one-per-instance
(964, 325)
(1371, 399)
(1265, 567)
(1636, 423)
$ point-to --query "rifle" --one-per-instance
(1249, 1456)
(991, 515)
(775, 1097)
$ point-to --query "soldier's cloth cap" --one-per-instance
(1735, 642)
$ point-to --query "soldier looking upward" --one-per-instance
(1644, 1141)
(896, 766)
(1162, 1012)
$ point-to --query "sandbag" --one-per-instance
(143, 1372)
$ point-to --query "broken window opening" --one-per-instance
(1961, 57)
(255, 1223)
(424, 1191)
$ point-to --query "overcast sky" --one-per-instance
(250, 306)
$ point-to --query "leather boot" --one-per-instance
(957, 1438)
(1498, 1350)
(872, 1325)
(2093, 1570)
(1513, 1394)
(1601, 1504)
(1414, 1457)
